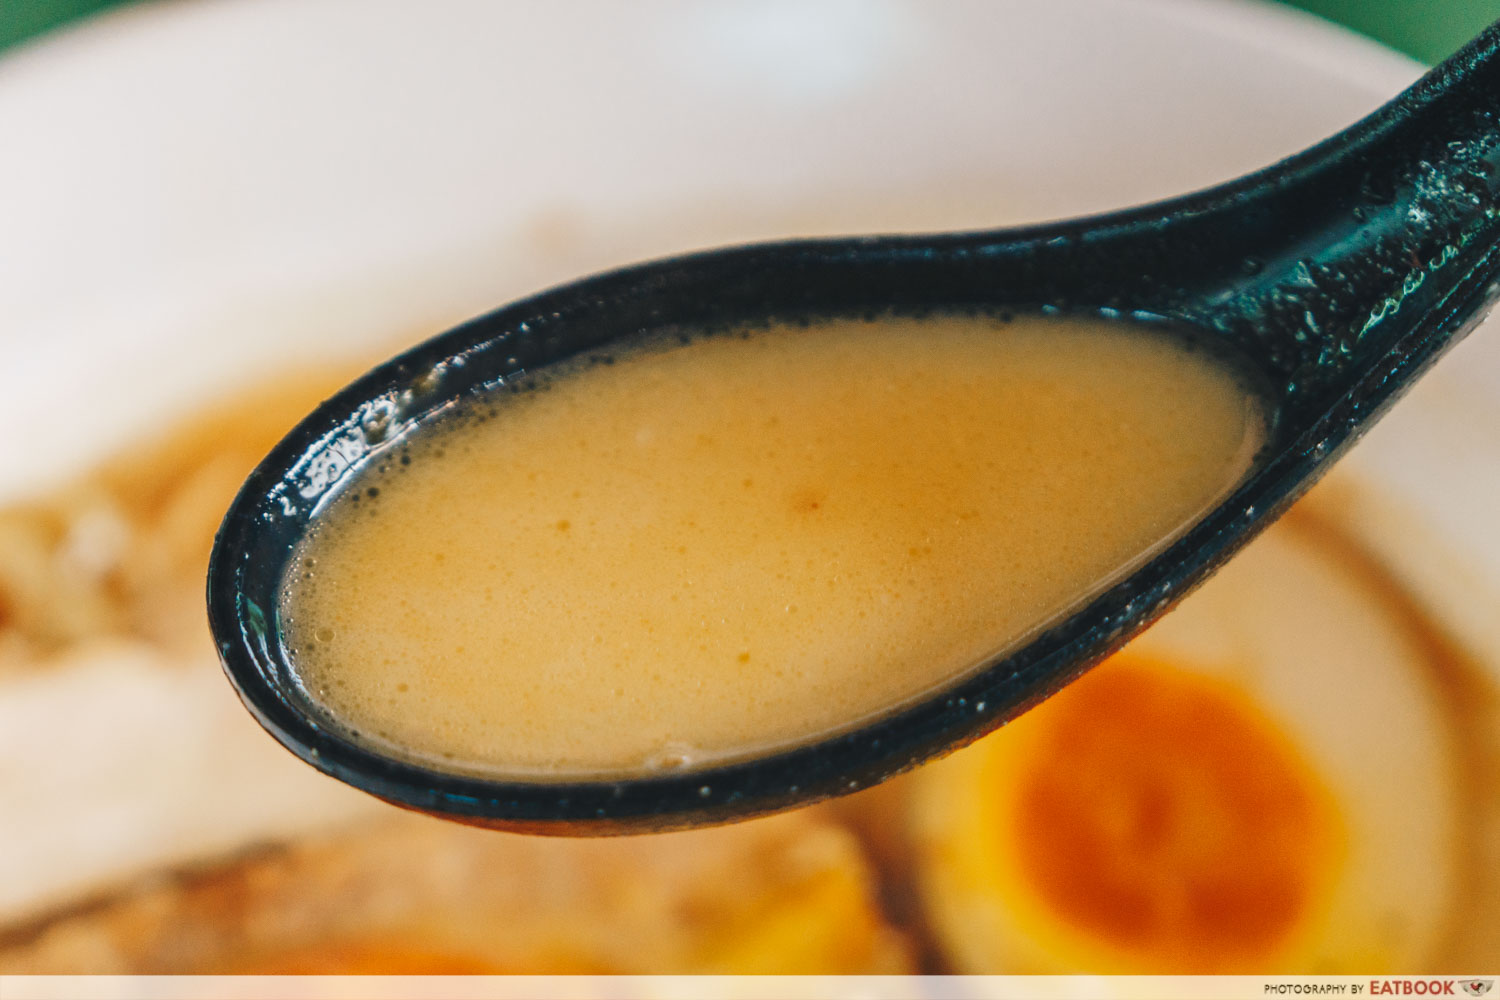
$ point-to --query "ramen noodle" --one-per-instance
(122, 550)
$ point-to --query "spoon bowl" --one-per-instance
(1338, 276)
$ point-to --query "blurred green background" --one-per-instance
(1425, 29)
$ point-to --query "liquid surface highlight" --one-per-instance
(716, 549)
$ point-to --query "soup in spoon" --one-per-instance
(714, 547)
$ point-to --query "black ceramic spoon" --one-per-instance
(1341, 274)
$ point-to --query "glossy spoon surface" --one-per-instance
(1339, 275)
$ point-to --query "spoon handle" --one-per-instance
(1365, 257)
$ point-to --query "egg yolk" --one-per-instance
(1164, 815)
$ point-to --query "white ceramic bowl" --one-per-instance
(196, 193)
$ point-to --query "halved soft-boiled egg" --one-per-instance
(1266, 781)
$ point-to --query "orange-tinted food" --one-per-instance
(377, 958)
(709, 550)
(1163, 813)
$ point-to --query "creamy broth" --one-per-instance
(707, 550)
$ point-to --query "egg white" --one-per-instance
(1320, 652)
